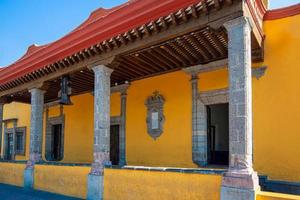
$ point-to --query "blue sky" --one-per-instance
(26, 22)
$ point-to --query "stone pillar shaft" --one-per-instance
(122, 159)
(199, 125)
(36, 126)
(1, 128)
(101, 131)
(240, 96)
(240, 182)
(36, 135)
(101, 119)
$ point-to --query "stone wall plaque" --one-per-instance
(155, 117)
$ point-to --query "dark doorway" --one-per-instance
(9, 146)
(218, 134)
(57, 153)
(114, 144)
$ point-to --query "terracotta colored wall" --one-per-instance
(149, 185)
(67, 180)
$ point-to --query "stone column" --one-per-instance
(1, 128)
(122, 160)
(199, 125)
(36, 135)
(101, 131)
(240, 182)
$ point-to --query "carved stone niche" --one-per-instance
(155, 116)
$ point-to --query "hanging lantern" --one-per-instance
(65, 91)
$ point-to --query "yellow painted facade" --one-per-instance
(274, 123)
(149, 185)
(12, 173)
(275, 118)
(67, 180)
(276, 103)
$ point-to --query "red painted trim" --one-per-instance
(101, 25)
(283, 12)
(261, 11)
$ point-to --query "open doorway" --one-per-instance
(57, 153)
(218, 134)
(9, 146)
(114, 144)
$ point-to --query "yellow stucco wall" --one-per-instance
(149, 185)
(22, 112)
(67, 180)
(173, 147)
(275, 196)
(213, 80)
(12, 173)
(275, 113)
(276, 103)
(78, 141)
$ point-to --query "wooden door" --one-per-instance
(114, 144)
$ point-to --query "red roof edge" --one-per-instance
(101, 25)
(283, 12)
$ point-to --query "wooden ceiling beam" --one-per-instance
(131, 67)
(181, 49)
(143, 62)
(161, 62)
(200, 38)
(217, 4)
(163, 57)
(206, 47)
(198, 49)
(135, 63)
(194, 11)
(176, 55)
(218, 44)
(131, 72)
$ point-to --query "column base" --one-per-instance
(95, 187)
(229, 193)
(29, 178)
(239, 186)
(240, 180)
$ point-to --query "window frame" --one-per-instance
(21, 130)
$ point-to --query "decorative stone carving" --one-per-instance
(155, 117)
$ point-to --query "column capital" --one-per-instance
(36, 89)
(237, 22)
(102, 68)
(120, 88)
(40, 86)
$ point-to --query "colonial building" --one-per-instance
(173, 99)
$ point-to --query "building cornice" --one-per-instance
(282, 12)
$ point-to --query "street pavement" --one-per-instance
(8, 192)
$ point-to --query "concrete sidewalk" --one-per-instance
(8, 192)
